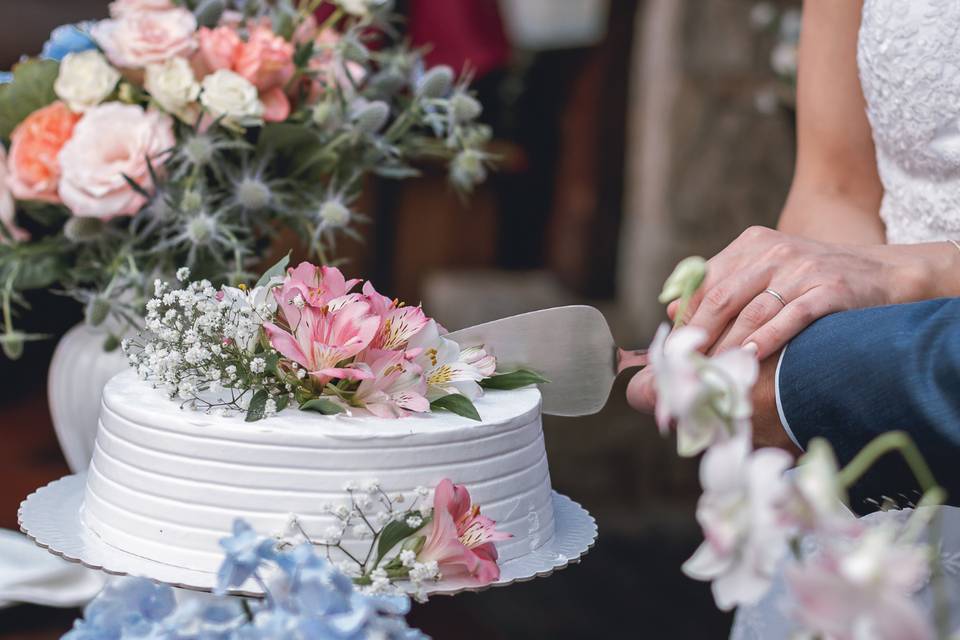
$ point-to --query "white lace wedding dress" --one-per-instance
(909, 59)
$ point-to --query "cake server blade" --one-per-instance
(570, 346)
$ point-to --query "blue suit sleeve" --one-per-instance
(852, 376)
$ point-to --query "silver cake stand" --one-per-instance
(51, 517)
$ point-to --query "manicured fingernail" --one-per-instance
(752, 347)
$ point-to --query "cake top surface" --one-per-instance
(138, 401)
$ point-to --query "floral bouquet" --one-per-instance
(303, 335)
(188, 132)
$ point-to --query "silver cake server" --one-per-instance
(572, 347)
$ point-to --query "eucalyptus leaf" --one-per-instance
(513, 380)
(258, 404)
(321, 405)
(31, 89)
(277, 270)
(458, 404)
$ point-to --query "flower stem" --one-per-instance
(882, 445)
(933, 495)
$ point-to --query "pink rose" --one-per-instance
(34, 145)
(120, 8)
(459, 539)
(140, 38)
(265, 59)
(218, 48)
(110, 141)
(8, 206)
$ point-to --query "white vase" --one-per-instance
(79, 370)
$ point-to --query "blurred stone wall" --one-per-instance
(709, 153)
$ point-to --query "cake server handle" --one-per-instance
(627, 359)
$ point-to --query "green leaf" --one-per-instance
(513, 380)
(282, 402)
(457, 404)
(276, 270)
(257, 406)
(396, 532)
(31, 89)
(321, 405)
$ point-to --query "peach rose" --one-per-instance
(265, 59)
(218, 48)
(34, 145)
(146, 37)
(8, 207)
(111, 141)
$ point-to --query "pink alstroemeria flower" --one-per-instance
(321, 337)
(461, 540)
(397, 385)
(397, 323)
(316, 286)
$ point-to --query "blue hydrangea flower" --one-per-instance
(245, 552)
(308, 599)
(124, 605)
(68, 38)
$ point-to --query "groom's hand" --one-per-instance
(767, 430)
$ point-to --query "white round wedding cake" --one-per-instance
(167, 483)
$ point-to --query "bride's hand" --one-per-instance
(735, 305)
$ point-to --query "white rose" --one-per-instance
(229, 95)
(174, 87)
(85, 79)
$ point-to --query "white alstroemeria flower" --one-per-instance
(448, 369)
(863, 588)
(739, 511)
(709, 398)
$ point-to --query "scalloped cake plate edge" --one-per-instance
(50, 516)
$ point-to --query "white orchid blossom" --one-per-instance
(739, 512)
(862, 587)
(709, 398)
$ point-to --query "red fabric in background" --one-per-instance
(460, 33)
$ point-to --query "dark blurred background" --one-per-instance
(630, 134)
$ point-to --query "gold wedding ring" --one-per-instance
(776, 295)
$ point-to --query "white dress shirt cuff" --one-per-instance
(783, 418)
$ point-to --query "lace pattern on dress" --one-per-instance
(909, 59)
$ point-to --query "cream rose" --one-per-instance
(141, 38)
(111, 141)
(174, 87)
(85, 79)
(225, 94)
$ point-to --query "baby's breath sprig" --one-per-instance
(205, 346)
